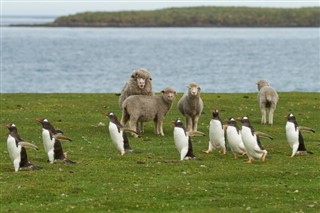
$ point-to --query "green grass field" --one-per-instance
(103, 181)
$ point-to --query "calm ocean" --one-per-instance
(100, 60)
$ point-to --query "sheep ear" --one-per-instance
(199, 88)
(150, 79)
(162, 91)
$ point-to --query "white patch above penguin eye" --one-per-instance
(45, 120)
(13, 125)
(291, 115)
(232, 119)
(245, 117)
(110, 113)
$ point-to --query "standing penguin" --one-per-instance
(182, 141)
(16, 148)
(251, 141)
(118, 134)
(234, 138)
(51, 141)
(294, 136)
(216, 134)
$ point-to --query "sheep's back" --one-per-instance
(141, 104)
(268, 93)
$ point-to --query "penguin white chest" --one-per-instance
(216, 131)
(13, 149)
(116, 136)
(180, 138)
(250, 143)
(48, 143)
(292, 134)
(234, 139)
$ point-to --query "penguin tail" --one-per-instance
(68, 161)
(133, 151)
(33, 167)
(309, 152)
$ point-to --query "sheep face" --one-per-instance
(141, 76)
(169, 94)
(194, 89)
(261, 84)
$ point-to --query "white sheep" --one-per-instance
(268, 99)
(142, 108)
(140, 83)
(190, 105)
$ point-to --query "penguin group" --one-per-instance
(244, 141)
(51, 138)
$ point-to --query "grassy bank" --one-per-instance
(103, 181)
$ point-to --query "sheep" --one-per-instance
(268, 99)
(140, 83)
(191, 105)
(142, 108)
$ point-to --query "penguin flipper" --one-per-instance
(129, 130)
(263, 135)
(60, 136)
(28, 145)
(195, 133)
(306, 129)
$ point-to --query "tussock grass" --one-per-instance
(103, 181)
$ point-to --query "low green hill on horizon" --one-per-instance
(197, 17)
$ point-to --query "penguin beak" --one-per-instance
(173, 122)
(225, 120)
(238, 118)
(39, 120)
(106, 114)
(7, 125)
(285, 117)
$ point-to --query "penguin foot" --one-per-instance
(264, 156)
(207, 151)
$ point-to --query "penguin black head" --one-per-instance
(111, 116)
(215, 113)
(11, 127)
(290, 117)
(232, 121)
(178, 123)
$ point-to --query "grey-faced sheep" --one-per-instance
(140, 83)
(268, 99)
(190, 105)
(142, 108)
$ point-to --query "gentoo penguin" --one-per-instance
(294, 136)
(234, 138)
(251, 141)
(182, 141)
(118, 134)
(51, 141)
(216, 134)
(16, 148)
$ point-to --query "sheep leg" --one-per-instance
(264, 114)
(133, 126)
(188, 123)
(271, 111)
(195, 123)
(124, 119)
(160, 127)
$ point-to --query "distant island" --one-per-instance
(195, 17)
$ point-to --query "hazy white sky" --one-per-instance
(66, 7)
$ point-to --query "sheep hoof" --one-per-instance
(206, 151)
